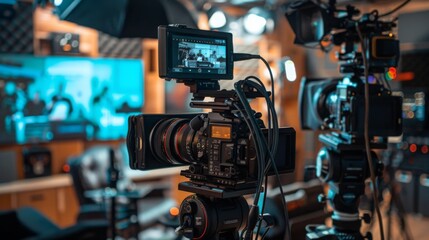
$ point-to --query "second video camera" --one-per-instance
(338, 104)
(332, 104)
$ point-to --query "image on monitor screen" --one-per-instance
(199, 55)
(51, 98)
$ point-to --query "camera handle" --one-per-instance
(201, 89)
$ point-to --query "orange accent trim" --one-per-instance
(405, 76)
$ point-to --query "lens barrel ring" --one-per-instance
(169, 140)
(157, 137)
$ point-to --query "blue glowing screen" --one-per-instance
(49, 98)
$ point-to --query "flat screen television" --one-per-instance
(53, 98)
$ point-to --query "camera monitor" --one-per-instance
(192, 54)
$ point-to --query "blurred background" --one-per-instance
(72, 71)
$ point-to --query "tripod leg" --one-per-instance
(401, 214)
(389, 216)
(395, 200)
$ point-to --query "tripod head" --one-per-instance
(212, 218)
(344, 167)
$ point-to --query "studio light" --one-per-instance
(258, 20)
(287, 69)
(217, 18)
(290, 70)
(310, 21)
(254, 24)
(58, 2)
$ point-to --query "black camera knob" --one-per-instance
(366, 218)
(192, 169)
(189, 208)
(197, 123)
(196, 169)
(321, 198)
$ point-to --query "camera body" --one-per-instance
(339, 105)
(217, 147)
(383, 52)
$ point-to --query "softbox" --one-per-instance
(125, 18)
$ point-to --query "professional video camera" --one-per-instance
(339, 103)
(358, 109)
(229, 150)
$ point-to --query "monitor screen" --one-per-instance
(198, 55)
(194, 54)
(52, 98)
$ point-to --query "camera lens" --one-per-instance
(184, 141)
(171, 140)
(326, 100)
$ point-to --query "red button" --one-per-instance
(413, 148)
(425, 149)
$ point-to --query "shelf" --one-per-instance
(33, 184)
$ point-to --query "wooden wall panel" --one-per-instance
(289, 90)
(154, 92)
(6, 202)
(43, 200)
(45, 23)
(68, 206)
(62, 151)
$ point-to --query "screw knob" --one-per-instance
(366, 218)
(321, 198)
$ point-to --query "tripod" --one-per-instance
(395, 201)
(344, 167)
(344, 225)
